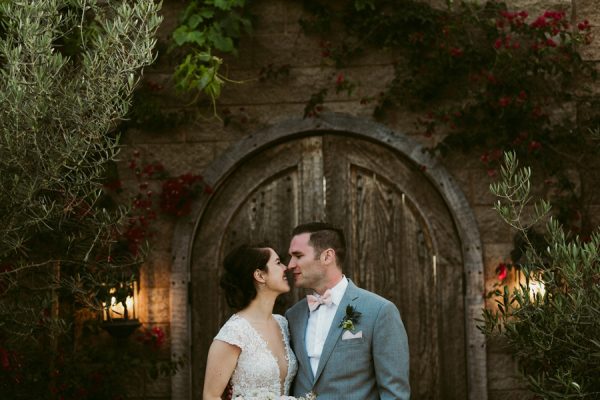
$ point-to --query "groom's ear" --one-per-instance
(328, 256)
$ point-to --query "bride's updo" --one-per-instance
(238, 278)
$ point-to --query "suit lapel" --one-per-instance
(335, 330)
(300, 336)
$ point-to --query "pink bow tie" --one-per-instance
(315, 301)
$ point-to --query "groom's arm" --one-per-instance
(390, 354)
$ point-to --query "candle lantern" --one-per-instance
(119, 308)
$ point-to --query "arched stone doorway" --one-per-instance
(412, 239)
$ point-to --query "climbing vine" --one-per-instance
(483, 79)
(205, 26)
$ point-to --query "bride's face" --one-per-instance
(276, 279)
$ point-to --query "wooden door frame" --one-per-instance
(219, 170)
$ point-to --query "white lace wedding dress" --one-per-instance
(257, 371)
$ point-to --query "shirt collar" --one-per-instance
(337, 292)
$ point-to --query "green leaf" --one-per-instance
(206, 13)
(194, 21)
(180, 35)
(223, 4)
(196, 37)
(220, 42)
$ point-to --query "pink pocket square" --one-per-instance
(347, 335)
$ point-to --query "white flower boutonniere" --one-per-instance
(350, 319)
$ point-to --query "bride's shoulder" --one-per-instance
(234, 322)
(280, 319)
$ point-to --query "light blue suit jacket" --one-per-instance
(368, 368)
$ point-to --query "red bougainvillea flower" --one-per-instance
(504, 101)
(534, 145)
(501, 271)
(4, 359)
(498, 43)
(485, 157)
(456, 52)
(154, 337)
(491, 172)
(340, 79)
(584, 25)
(555, 15)
(540, 22)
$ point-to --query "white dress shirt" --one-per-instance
(319, 322)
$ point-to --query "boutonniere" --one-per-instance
(352, 317)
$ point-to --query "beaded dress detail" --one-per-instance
(257, 368)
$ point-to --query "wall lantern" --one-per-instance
(119, 308)
(533, 283)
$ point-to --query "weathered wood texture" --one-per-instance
(403, 243)
(397, 223)
(200, 147)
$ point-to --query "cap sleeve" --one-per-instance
(232, 333)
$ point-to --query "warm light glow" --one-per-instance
(118, 310)
(537, 288)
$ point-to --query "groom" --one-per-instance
(350, 343)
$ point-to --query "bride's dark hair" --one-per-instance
(238, 279)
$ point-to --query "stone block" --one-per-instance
(591, 52)
(463, 179)
(293, 49)
(503, 373)
(302, 83)
(510, 395)
(481, 186)
(154, 305)
(139, 136)
(171, 12)
(294, 10)
(270, 16)
(588, 9)
(156, 270)
(180, 158)
(148, 389)
(230, 124)
(594, 213)
(494, 254)
(492, 229)
(538, 7)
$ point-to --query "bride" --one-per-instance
(252, 350)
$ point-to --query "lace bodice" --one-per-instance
(257, 367)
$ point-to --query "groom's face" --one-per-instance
(305, 263)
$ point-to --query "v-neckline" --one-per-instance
(270, 352)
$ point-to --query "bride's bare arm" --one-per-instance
(221, 362)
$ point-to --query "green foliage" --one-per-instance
(485, 79)
(68, 69)
(208, 26)
(554, 333)
(97, 368)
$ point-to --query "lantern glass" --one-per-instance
(119, 316)
(123, 302)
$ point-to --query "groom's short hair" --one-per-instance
(324, 236)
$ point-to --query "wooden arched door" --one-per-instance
(401, 237)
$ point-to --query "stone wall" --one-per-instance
(278, 39)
